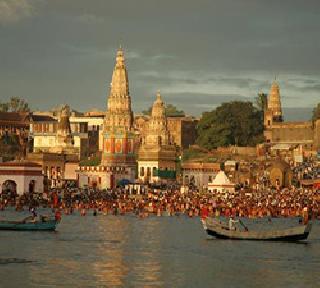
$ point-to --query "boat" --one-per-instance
(221, 230)
(30, 224)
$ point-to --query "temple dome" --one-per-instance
(158, 108)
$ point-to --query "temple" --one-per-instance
(118, 161)
(274, 110)
(118, 134)
(157, 153)
(286, 136)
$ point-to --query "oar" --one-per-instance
(245, 227)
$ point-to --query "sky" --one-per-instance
(197, 53)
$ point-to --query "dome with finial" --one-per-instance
(158, 108)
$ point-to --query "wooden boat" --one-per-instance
(30, 224)
(220, 230)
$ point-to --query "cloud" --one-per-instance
(88, 19)
(12, 11)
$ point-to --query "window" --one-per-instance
(141, 171)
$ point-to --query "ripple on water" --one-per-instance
(110, 251)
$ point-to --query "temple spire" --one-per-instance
(119, 114)
(158, 107)
(274, 101)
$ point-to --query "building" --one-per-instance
(15, 125)
(58, 146)
(157, 153)
(118, 151)
(52, 135)
(288, 134)
(94, 121)
(14, 122)
(21, 177)
(280, 174)
(183, 130)
(57, 168)
(198, 174)
(221, 184)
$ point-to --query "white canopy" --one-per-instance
(221, 179)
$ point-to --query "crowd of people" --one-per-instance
(172, 202)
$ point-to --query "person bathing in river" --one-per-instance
(232, 221)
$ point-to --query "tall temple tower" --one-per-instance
(273, 111)
(119, 115)
(157, 154)
(274, 102)
(118, 134)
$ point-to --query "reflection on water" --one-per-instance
(145, 260)
(125, 251)
(110, 267)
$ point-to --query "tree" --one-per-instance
(261, 101)
(233, 123)
(15, 104)
(316, 112)
(4, 107)
(171, 110)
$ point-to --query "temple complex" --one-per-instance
(182, 129)
(59, 135)
(157, 153)
(281, 135)
(58, 146)
(118, 151)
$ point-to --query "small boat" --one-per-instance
(221, 230)
(30, 224)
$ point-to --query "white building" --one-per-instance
(21, 177)
(221, 184)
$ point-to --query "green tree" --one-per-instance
(233, 123)
(15, 104)
(171, 110)
(4, 107)
(316, 112)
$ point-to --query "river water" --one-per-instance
(125, 251)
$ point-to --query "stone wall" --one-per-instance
(293, 132)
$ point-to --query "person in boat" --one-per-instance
(232, 221)
(34, 213)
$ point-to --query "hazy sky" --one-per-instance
(198, 53)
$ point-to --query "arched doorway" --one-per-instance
(32, 185)
(9, 187)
